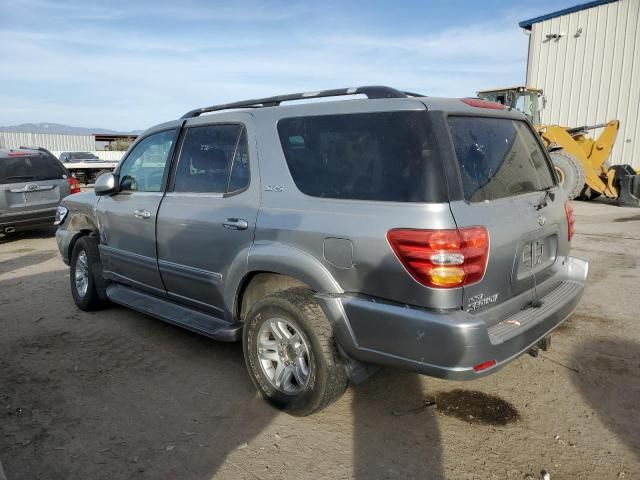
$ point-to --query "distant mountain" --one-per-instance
(60, 128)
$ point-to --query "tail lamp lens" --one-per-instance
(74, 185)
(442, 258)
(571, 230)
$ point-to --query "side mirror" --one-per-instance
(106, 184)
(544, 101)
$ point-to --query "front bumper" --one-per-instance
(449, 344)
(63, 239)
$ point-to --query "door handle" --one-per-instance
(235, 224)
(142, 214)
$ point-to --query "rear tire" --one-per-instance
(570, 172)
(87, 285)
(291, 354)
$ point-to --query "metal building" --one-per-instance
(587, 60)
(50, 141)
(57, 143)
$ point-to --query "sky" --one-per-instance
(131, 64)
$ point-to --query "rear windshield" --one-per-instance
(32, 167)
(384, 156)
(498, 158)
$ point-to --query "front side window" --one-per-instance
(498, 158)
(213, 159)
(382, 156)
(143, 170)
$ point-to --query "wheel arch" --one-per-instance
(272, 268)
(83, 225)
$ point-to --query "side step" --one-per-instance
(199, 322)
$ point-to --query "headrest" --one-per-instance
(212, 159)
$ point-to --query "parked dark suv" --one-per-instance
(424, 233)
(32, 183)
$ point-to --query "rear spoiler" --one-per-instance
(39, 149)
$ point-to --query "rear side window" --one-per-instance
(30, 167)
(213, 159)
(384, 156)
(498, 158)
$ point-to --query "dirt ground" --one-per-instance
(117, 395)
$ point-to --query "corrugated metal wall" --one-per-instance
(592, 76)
(50, 141)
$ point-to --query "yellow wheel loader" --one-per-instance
(579, 160)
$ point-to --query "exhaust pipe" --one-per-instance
(9, 229)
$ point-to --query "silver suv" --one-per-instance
(424, 233)
(32, 183)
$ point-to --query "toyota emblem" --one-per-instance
(542, 220)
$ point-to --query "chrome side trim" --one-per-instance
(127, 256)
(191, 273)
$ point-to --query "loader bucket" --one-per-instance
(628, 184)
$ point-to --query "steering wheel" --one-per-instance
(154, 180)
(128, 183)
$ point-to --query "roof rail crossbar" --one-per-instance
(372, 92)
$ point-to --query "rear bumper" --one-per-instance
(449, 344)
(28, 220)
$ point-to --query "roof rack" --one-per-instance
(372, 92)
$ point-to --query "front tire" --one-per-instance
(570, 172)
(87, 284)
(290, 353)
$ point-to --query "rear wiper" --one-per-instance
(548, 194)
(19, 176)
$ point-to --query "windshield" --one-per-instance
(82, 156)
(528, 104)
(498, 158)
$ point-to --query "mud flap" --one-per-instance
(628, 185)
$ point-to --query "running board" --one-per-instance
(170, 312)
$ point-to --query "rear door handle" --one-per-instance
(235, 224)
(142, 214)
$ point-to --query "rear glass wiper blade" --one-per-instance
(548, 194)
(19, 176)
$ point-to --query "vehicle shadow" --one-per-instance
(23, 261)
(113, 393)
(44, 232)
(396, 434)
(388, 407)
(609, 381)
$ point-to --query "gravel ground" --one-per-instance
(114, 394)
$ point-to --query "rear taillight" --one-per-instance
(442, 258)
(571, 229)
(74, 185)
